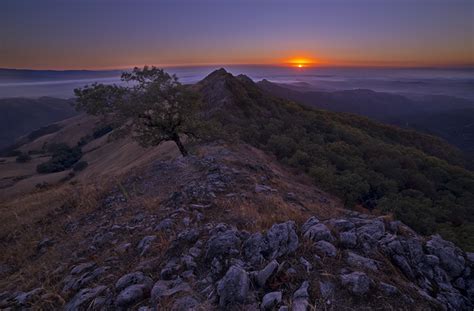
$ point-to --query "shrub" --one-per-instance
(63, 157)
(80, 166)
(23, 158)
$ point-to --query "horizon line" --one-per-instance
(222, 65)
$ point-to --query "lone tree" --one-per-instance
(153, 105)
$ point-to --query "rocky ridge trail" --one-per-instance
(229, 230)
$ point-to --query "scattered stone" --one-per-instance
(234, 287)
(282, 239)
(145, 244)
(307, 265)
(325, 248)
(186, 303)
(388, 289)
(168, 288)
(164, 225)
(450, 256)
(270, 300)
(358, 261)
(131, 295)
(84, 298)
(358, 283)
(309, 223)
(300, 298)
(326, 289)
(348, 239)
(131, 279)
(319, 232)
(226, 243)
(254, 248)
(264, 274)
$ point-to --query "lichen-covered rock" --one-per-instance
(233, 288)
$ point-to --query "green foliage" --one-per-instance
(418, 178)
(154, 105)
(62, 158)
(23, 158)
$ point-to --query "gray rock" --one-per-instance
(168, 288)
(325, 248)
(300, 298)
(371, 232)
(319, 232)
(223, 244)
(358, 261)
(282, 239)
(145, 244)
(84, 298)
(341, 225)
(75, 281)
(131, 295)
(270, 300)
(432, 260)
(165, 225)
(255, 247)
(358, 283)
(283, 308)
(186, 303)
(307, 265)
(404, 266)
(348, 239)
(233, 288)
(131, 279)
(388, 289)
(264, 274)
(309, 223)
(23, 299)
(326, 288)
(450, 257)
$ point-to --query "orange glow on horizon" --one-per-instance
(300, 62)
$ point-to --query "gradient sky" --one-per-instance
(92, 34)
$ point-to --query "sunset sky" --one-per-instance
(93, 34)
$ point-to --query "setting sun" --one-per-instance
(300, 62)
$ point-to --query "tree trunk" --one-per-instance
(181, 148)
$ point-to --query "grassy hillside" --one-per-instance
(419, 178)
(20, 116)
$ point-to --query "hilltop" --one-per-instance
(281, 211)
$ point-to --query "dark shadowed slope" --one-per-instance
(19, 116)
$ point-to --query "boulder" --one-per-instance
(222, 244)
(325, 248)
(348, 239)
(358, 261)
(84, 298)
(233, 288)
(263, 275)
(131, 295)
(450, 257)
(133, 278)
(270, 300)
(319, 232)
(358, 283)
(282, 239)
(255, 248)
(309, 223)
(300, 298)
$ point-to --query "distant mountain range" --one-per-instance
(445, 116)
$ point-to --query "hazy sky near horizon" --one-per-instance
(92, 34)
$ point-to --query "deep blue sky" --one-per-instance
(63, 34)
